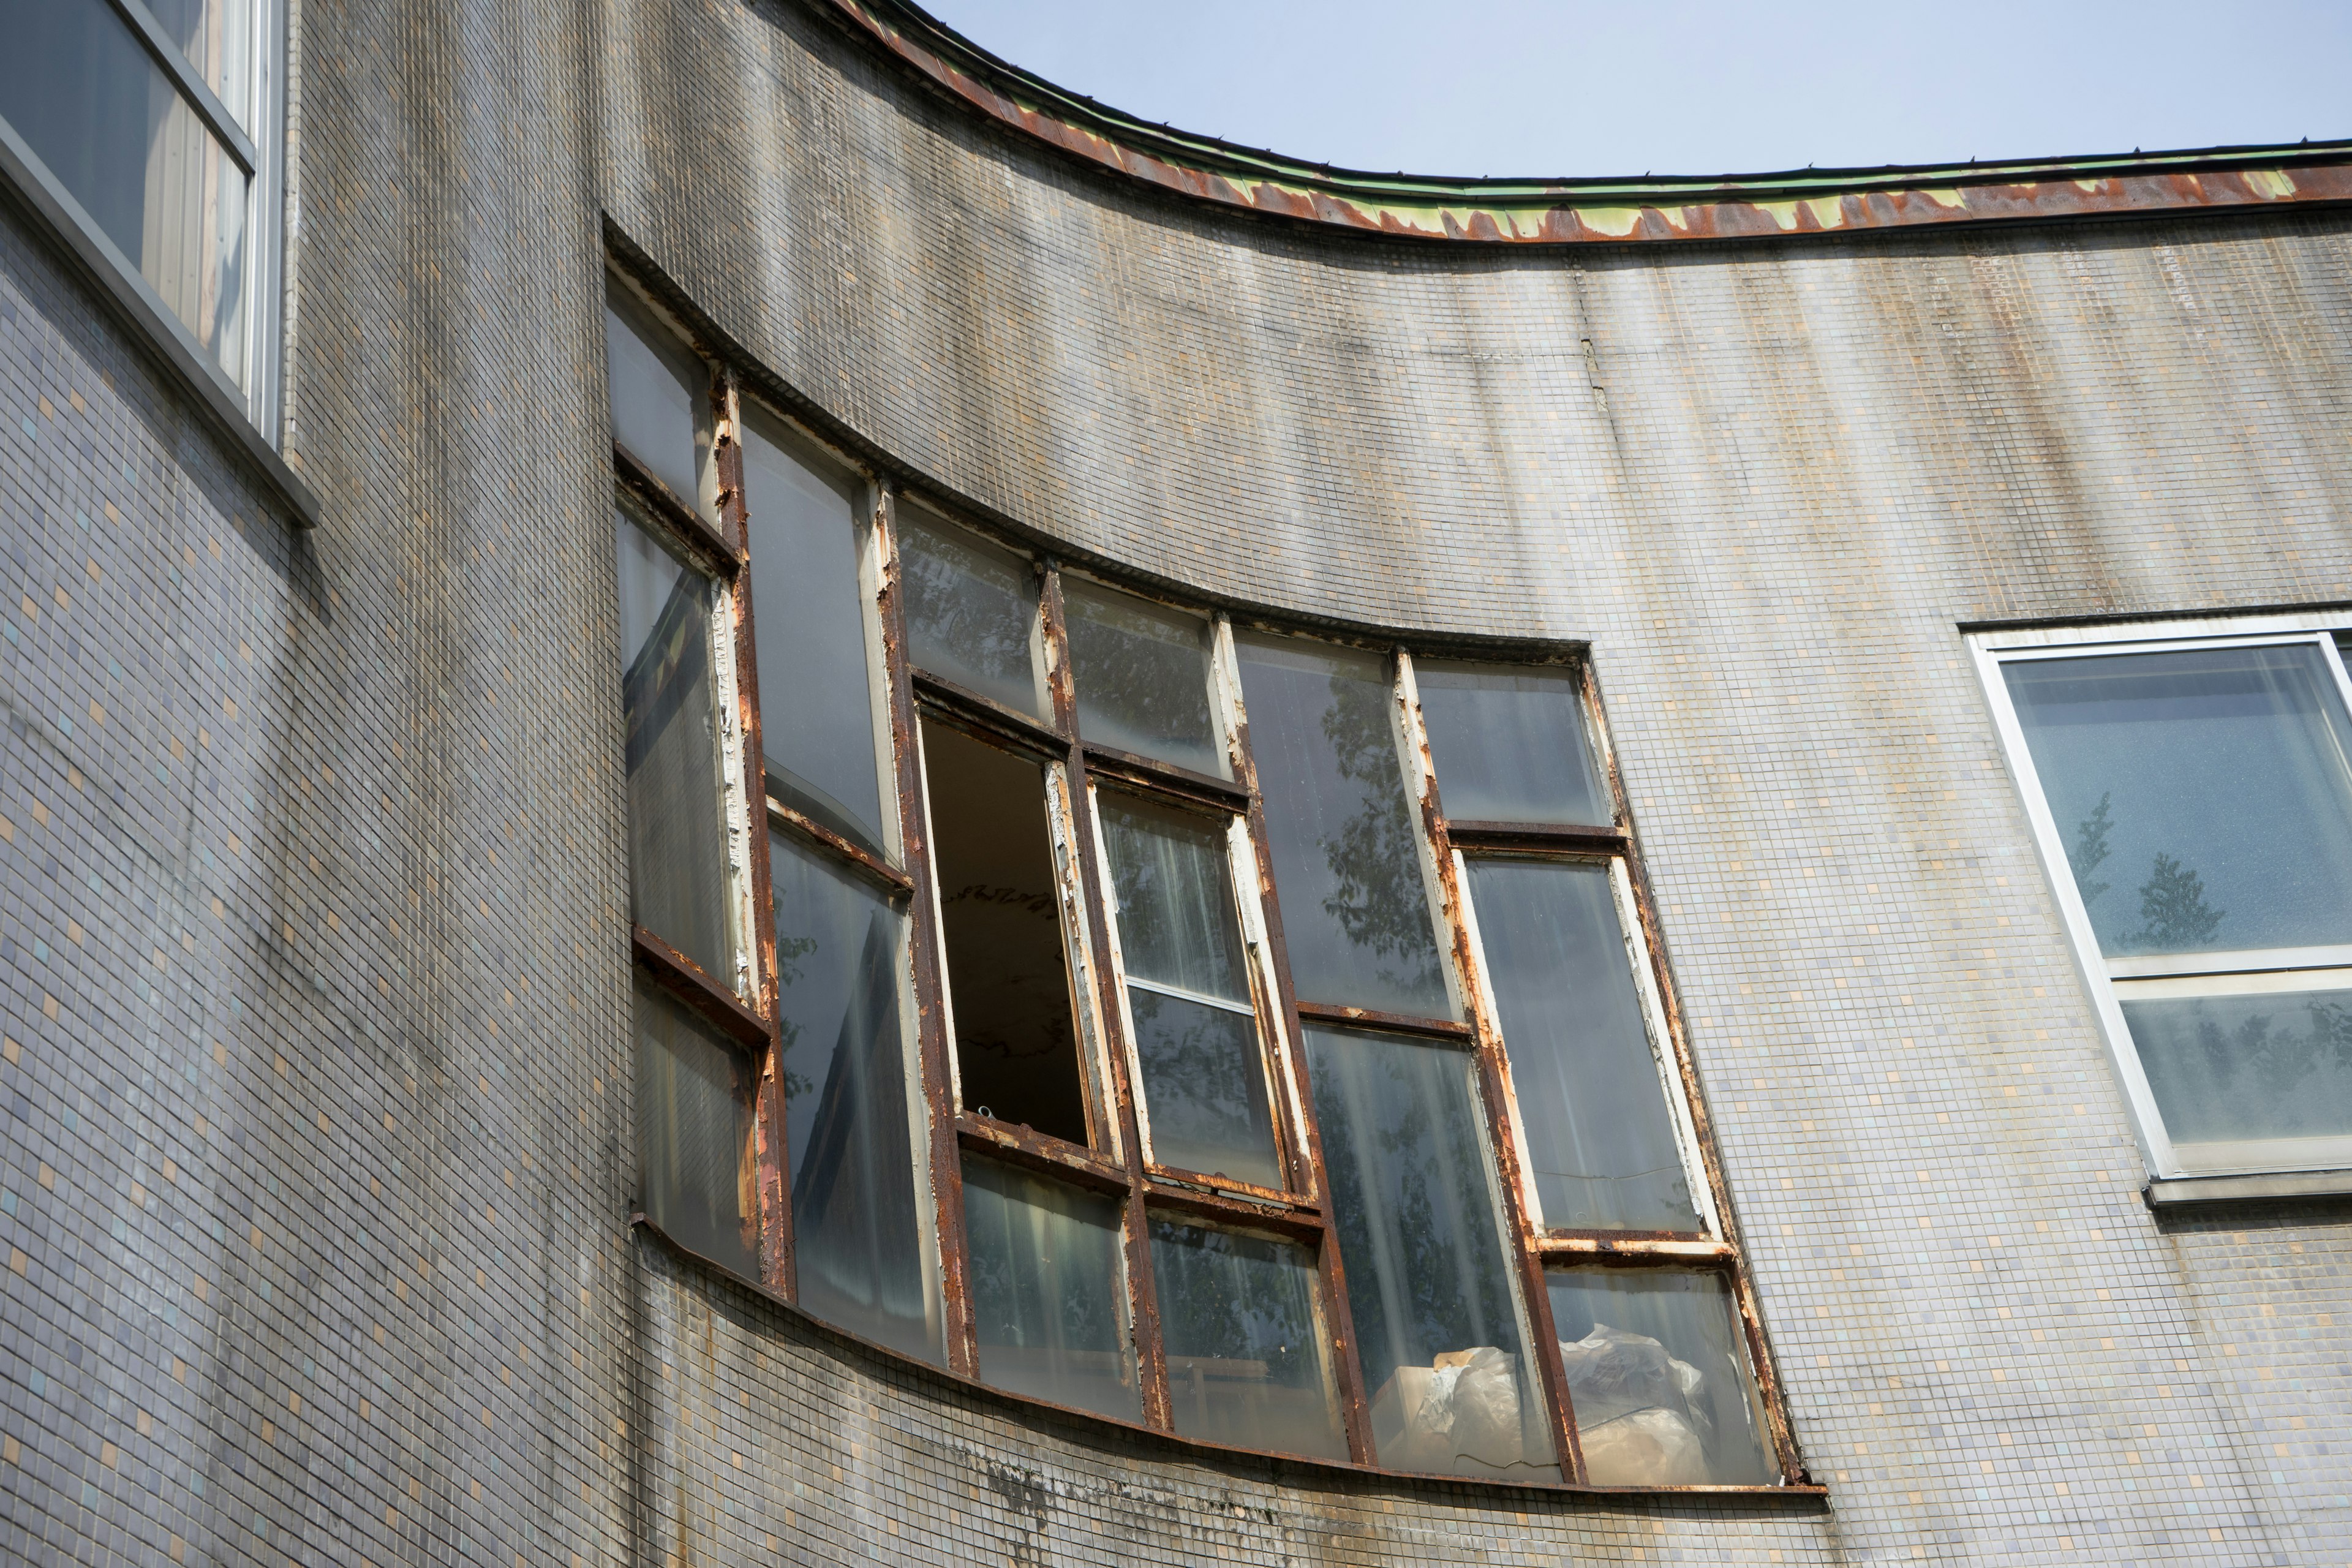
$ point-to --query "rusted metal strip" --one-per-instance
(1325, 1012)
(985, 715)
(1293, 1223)
(1246, 1193)
(896, 883)
(1048, 1156)
(686, 528)
(691, 983)
(1599, 1246)
(1106, 761)
(1535, 836)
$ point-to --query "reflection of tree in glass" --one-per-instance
(2173, 903)
(1379, 901)
(2090, 848)
(790, 949)
(1142, 670)
(1201, 1083)
(966, 605)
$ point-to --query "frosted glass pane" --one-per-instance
(696, 1134)
(1508, 744)
(1355, 910)
(660, 397)
(1246, 1346)
(1048, 1291)
(1142, 677)
(971, 611)
(2203, 795)
(2246, 1081)
(1658, 1376)
(1601, 1143)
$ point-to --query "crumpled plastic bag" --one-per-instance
(1465, 1406)
(1639, 1417)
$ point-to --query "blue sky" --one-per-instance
(1691, 87)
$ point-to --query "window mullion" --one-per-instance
(218, 118)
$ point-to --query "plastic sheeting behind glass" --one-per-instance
(1048, 1291)
(2250, 1081)
(817, 685)
(677, 835)
(695, 1134)
(858, 1227)
(1347, 866)
(2204, 795)
(1601, 1141)
(660, 398)
(1244, 1343)
(1508, 744)
(970, 609)
(1429, 1286)
(1143, 675)
(1658, 1376)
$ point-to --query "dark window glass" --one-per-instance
(1048, 1291)
(1437, 1324)
(1508, 744)
(217, 35)
(817, 694)
(1601, 1143)
(1196, 1040)
(1244, 1343)
(850, 1119)
(971, 611)
(1355, 910)
(1142, 677)
(695, 1134)
(660, 397)
(2261, 1080)
(677, 834)
(1658, 1377)
(999, 910)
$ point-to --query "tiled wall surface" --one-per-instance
(314, 1110)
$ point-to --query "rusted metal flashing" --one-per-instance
(1600, 211)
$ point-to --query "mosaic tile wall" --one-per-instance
(314, 1159)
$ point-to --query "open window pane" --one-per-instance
(1355, 910)
(971, 611)
(1508, 744)
(2259, 1081)
(817, 685)
(1142, 677)
(695, 1134)
(2203, 795)
(678, 833)
(999, 910)
(858, 1222)
(1600, 1144)
(1246, 1364)
(1196, 1039)
(1048, 1291)
(1659, 1379)
(660, 397)
(1429, 1285)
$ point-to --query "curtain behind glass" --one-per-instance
(1246, 1364)
(1048, 1291)
(695, 1134)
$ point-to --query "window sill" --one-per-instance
(37, 190)
(2178, 1192)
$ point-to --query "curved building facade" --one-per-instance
(771, 798)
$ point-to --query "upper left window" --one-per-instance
(155, 126)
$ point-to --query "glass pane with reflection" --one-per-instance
(1246, 1345)
(1602, 1150)
(970, 609)
(1508, 744)
(1658, 1376)
(2251, 1081)
(660, 398)
(217, 35)
(1143, 675)
(1048, 1291)
(859, 1232)
(696, 1132)
(1429, 1283)
(1339, 824)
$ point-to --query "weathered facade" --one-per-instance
(319, 1154)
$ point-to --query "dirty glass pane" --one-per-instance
(1437, 1321)
(2203, 795)
(858, 1219)
(2249, 1081)
(217, 35)
(1355, 910)
(695, 1134)
(1008, 974)
(971, 611)
(1508, 744)
(677, 833)
(1196, 1038)
(1143, 675)
(93, 105)
(1600, 1144)
(1658, 1376)
(660, 397)
(817, 691)
(1246, 1346)
(1048, 1291)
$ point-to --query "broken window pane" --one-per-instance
(1143, 675)
(2257, 1081)
(851, 1124)
(1602, 1150)
(1048, 1291)
(660, 397)
(695, 1134)
(1355, 910)
(1246, 1364)
(817, 694)
(1196, 1039)
(678, 832)
(1658, 1377)
(971, 611)
(1508, 744)
(1437, 1321)
(1000, 911)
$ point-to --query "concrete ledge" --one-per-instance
(2176, 1192)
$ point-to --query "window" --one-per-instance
(1245, 1034)
(2190, 790)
